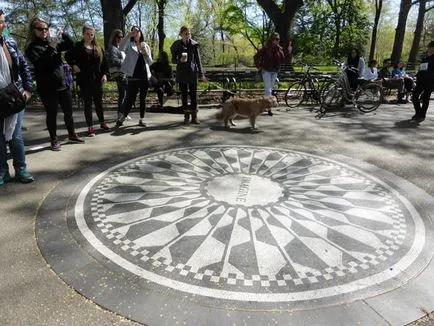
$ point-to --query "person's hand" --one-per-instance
(75, 69)
(203, 79)
(103, 79)
(27, 95)
(53, 42)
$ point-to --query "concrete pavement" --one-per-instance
(384, 146)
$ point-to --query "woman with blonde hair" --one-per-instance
(88, 62)
(52, 84)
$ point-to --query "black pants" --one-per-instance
(134, 86)
(421, 93)
(185, 89)
(164, 86)
(89, 93)
(395, 83)
(122, 84)
(51, 101)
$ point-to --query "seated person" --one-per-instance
(371, 72)
(163, 77)
(399, 72)
(388, 82)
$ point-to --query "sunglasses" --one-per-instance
(276, 39)
(40, 29)
(119, 36)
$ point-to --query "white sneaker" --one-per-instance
(127, 117)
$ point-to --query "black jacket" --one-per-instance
(92, 66)
(187, 72)
(47, 62)
(426, 77)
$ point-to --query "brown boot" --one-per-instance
(186, 118)
(194, 118)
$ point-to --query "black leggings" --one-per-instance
(89, 93)
(51, 101)
(185, 89)
(421, 92)
(134, 85)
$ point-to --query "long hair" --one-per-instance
(115, 33)
(94, 42)
(31, 37)
(270, 40)
(142, 38)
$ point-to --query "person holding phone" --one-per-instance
(136, 65)
(52, 84)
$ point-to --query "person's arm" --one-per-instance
(199, 64)
(148, 55)
(23, 69)
(66, 44)
(40, 55)
(124, 42)
(114, 58)
(176, 50)
(361, 67)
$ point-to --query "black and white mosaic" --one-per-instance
(250, 223)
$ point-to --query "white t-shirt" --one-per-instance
(5, 73)
(370, 75)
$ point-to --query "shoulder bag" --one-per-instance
(11, 99)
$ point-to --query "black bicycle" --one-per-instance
(306, 90)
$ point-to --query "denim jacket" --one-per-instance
(20, 68)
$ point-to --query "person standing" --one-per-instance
(271, 57)
(13, 67)
(136, 67)
(424, 85)
(186, 56)
(115, 57)
(45, 53)
(355, 61)
(88, 62)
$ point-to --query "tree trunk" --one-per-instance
(114, 16)
(417, 35)
(282, 18)
(378, 7)
(160, 25)
(400, 30)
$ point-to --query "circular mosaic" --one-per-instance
(250, 223)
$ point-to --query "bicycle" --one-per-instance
(307, 89)
(366, 98)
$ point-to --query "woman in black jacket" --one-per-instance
(185, 53)
(88, 61)
(52, 85)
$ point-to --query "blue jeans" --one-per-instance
(269, 78)
(16, 146)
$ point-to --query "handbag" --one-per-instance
(11, 99)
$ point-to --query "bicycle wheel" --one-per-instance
(368, 97)
(332, 96)
(294, 95)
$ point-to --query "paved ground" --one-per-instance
(374, 172)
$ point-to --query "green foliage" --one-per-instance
(320, 22)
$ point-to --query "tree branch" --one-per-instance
(128, 7)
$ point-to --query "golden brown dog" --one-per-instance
(244, 107)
